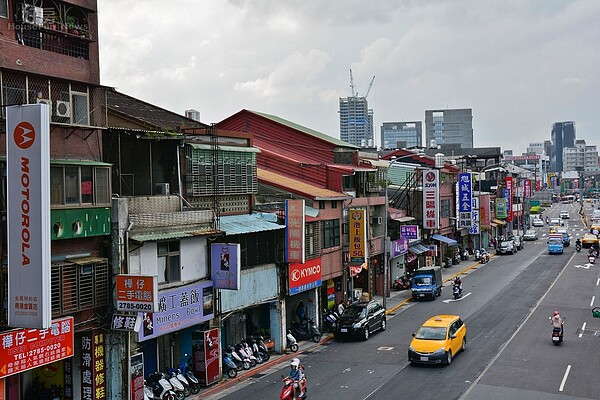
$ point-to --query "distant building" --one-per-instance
(356, 121)
(193, 114)
(397, 135)
(449, 126)
(580, 157)
(537, 148)
(563, 135)
(507, 153)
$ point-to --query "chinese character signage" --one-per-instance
(306, 276)
(500, 208)
(25, 349)
(93, 366)
(474, 228)
(358, 236)
(225, 265)
(178, 308)
(465, 195)
(527, 188)
(508, 194)
(399, 247)
(484, 210)
(409, 232)
(206, 357)
(136, 372)
(431, 199)
(294, 231)
(28, 215)
(126, 322)
(136, 293)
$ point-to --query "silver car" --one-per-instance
(530, 235)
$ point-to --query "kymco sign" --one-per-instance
(306, 276)
(28, 215)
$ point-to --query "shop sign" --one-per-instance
(465, 197)
(225, 265)
(68, 365)
(28, 215)
(508, 195)
(399, 247)
(410, 257)
(527, 188)
(136, 373)
(358, 236)
(294, 231)
(93, 366)
(500, 208)
(409, 232)
(431, 199)
(178, 308)
(306, 276)
(126, 322)
(136, 293)
(355, 270)
(206, 358)
(25, 349)
(474, 228)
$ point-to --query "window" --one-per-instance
(321, 205)
(445, 208)
(81, 115)
(331, 233)
(334, 204)
(4, 8)
(311, 240)
(76, 185)
(169, 269)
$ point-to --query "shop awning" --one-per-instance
(417, 249)
(499, 222)
(404, 219)
(444, 239)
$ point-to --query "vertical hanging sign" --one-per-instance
(294, 231)
(508, 194)
(474, 228)
(431, 199)
(465, 195)
(93, 367)
(358, 236)
(28, 215)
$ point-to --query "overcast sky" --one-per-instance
(519, 64)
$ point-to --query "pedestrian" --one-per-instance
(340, 308)
(301, 311)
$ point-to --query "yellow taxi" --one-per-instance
(438, 340)
(588, 240)
(595, 229)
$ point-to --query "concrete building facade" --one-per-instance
(449, 126)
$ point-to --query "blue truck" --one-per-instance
(555, 244)
(427, 283)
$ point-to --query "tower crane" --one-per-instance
(352, 84)
(369, 89)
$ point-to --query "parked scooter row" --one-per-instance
(175, 384)
(329, 317)
(244, 355)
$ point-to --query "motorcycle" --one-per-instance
(402, 282)
(306, 330)
(186, 369)
(465, 254)
(484, 256)
(237, 359)
(577, 248)
(239, 348)
(591, 259)
(287, 390)
(263, 347)
(177, 385)
(291, 342)
(229, 367)
(329, 318)
(557, 336)
(176, 373)
(457, 257)
(456, 291)
(256, 350)
(161, 388)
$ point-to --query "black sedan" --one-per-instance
(360, 320)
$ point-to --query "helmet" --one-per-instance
(295, 363)
(555, 313)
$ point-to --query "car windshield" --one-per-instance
(555, 241)
(431, 333)
(505, 244)
(531, 233)
(355, 312)
(422, 280)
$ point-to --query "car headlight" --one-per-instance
(439, 351)
(411, 349)
(357, 325)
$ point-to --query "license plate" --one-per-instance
(556, 338)
(344, 330)
(421, 295)
(424, 358)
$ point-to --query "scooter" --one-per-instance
(258, 353)
(176, 372)
(239, 348)
(477, 255)
(263, 347)
(287, 390)
(591, 259)
(557, 336)
(229, 367)
(465, 254)
(257, 356)
(328, 318)
(177, 385)
(457, 291)
(578, 248)
(403, 282)
(307, 330)
(457, 257)
(237, 359)
(291, 342)
(484, 257)
(186, 369)
(161, 388)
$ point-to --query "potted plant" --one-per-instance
(71, 23)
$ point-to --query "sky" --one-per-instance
(520, 65)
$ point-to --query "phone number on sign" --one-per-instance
(121, 305)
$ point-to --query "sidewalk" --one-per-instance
(396, 300)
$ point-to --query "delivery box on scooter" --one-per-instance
(427, 282)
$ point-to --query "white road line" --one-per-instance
(562, 384)
(592, 302)
(598, 282)
(582, 329)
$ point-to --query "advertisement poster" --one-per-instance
(136, 373)
(508, 195)
(303, 277)
(178, 308)
(136, 293)
(410, 232)
(206, 358)
(294, 231)
(500, 208)
(225, 264)
(465, 197)
(399, 247)
(431, 199)
(358, 236)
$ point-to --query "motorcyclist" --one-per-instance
(296, 376)
(557, 322)
(458, 282)
(547, 220)
(578, 242)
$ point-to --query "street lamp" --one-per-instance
(386, 267)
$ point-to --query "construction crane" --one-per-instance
(352, 84)
(369, 89)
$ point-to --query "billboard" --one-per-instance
(508, 194)
(474, 228)
(136, 293)
(465, 195)
(500, 208)
(306, 276)
(358, 236)
(399, 247)
(225, 265)
(28, 215)
(431, 199)
(294, 231)
(410, 232)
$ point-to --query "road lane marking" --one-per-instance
(586, 266)
(582, 329)
(592, 302)
(459, 299)
(564, 380)
(598, 282)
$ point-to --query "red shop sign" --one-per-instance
(305, 276)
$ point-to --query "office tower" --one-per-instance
(397, 135)
(563, 135)
(449, 127)
(580, 157)
(356, 121)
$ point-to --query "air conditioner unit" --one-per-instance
(46, 101)
(63, 109)
(161, 189)
(377, 220)
(33, 15)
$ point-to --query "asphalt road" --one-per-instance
(509, 352)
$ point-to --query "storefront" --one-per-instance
(415, 258)
(304, 287)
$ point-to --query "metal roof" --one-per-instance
(297, 186)
(248, 223)
(154, 236)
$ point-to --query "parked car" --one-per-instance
(564, 215)
(518, 242)
(537, 222)
(360, 319)
(438, 340)
(506, 247)
(531, 234)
